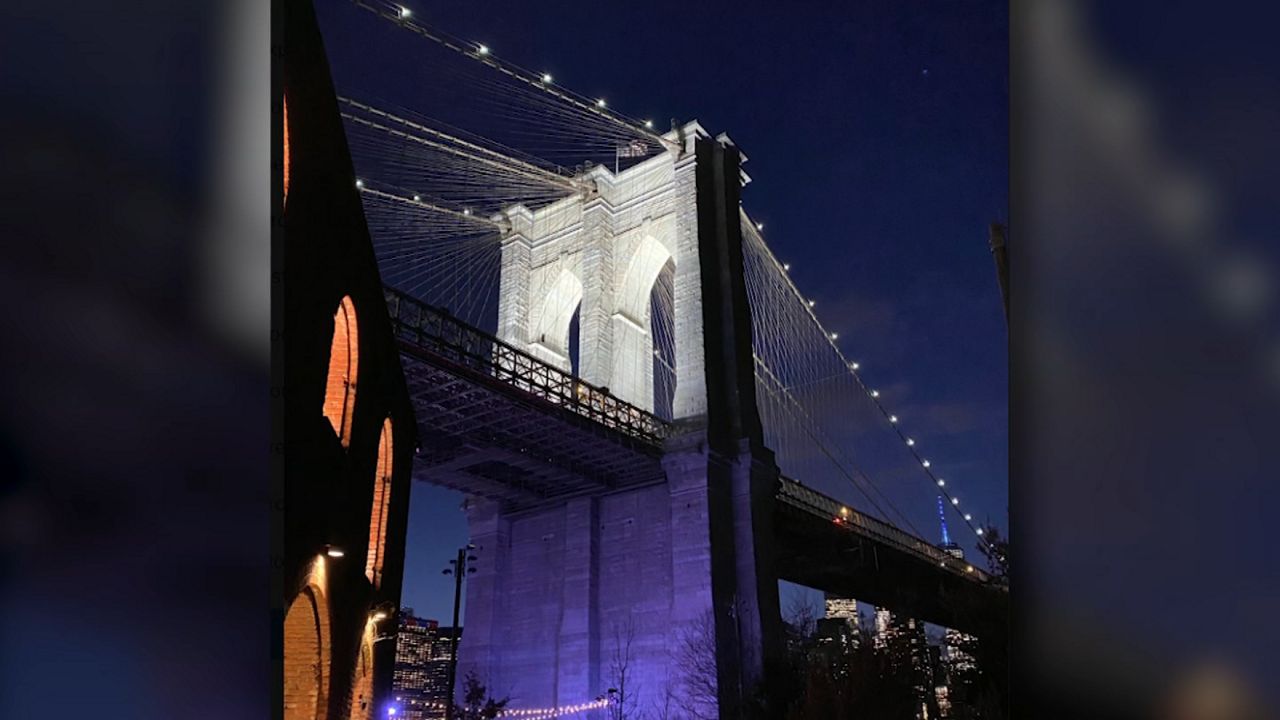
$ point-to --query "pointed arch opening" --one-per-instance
(550, 339)
(306, 656)
(344, 357)
(636, 349)
(381, 506)
(284, 104)
(362, 683)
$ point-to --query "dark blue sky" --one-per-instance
(876, 134)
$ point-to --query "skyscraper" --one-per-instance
(420, 683)
(947, 546)
(959, 665)
(837, 632)
(842, 608)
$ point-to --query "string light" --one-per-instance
(600, 103)
(967, 517)
(875, 393)
(405, 13)
(853, 366)
(483, 49)
(786, 266)
(759, 226)
(648, 124)
(811, 303)
(942, 483)
(924, 463)
(955, 501)
(979, 531)
(910, 442)
(893, 418)
(359, 183)
(835, 336)
(417, 198)
(546, 78)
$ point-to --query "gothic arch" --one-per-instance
(344, 357)
(380, 508)
(642, 272)
(362, 684)
(551, 326)
(306, 655)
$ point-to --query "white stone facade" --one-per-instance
(599, 253)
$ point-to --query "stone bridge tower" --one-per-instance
(675, 573)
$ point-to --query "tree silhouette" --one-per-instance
(476, 702)
(996, 550)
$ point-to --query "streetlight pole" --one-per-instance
(459, 571)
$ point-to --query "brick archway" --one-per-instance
(362, 684)
(306, 656)
(344, 357)
(381, 503)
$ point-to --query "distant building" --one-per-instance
(842, 608)
(837, 632)
(420, 685)
(881, 637)
(904, 640)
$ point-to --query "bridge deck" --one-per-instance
(497, 422)
(824, 545)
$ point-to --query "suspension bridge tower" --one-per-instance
(665, 584)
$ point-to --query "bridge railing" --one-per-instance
(440, 333)
(794, 493)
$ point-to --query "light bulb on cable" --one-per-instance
(546, 78)
(483, 49)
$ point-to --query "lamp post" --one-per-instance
(459, 571)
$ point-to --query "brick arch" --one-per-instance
(380, 507)
(362, 684)
(306, 656)
(284, 103)
(344, 357)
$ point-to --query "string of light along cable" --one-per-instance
(544, 82)
(544, 713)
(853, 368)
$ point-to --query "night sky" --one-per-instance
(877, 142)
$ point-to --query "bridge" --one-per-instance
(650, 422)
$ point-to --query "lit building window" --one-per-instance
(340, 388)
(381, 502)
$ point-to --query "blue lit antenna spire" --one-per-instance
(942, 518)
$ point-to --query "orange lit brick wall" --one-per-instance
(344, 356)
(306, 656)
(381, 500)
(362, 685)
(285, 103)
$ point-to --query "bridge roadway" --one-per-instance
(498, 423)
